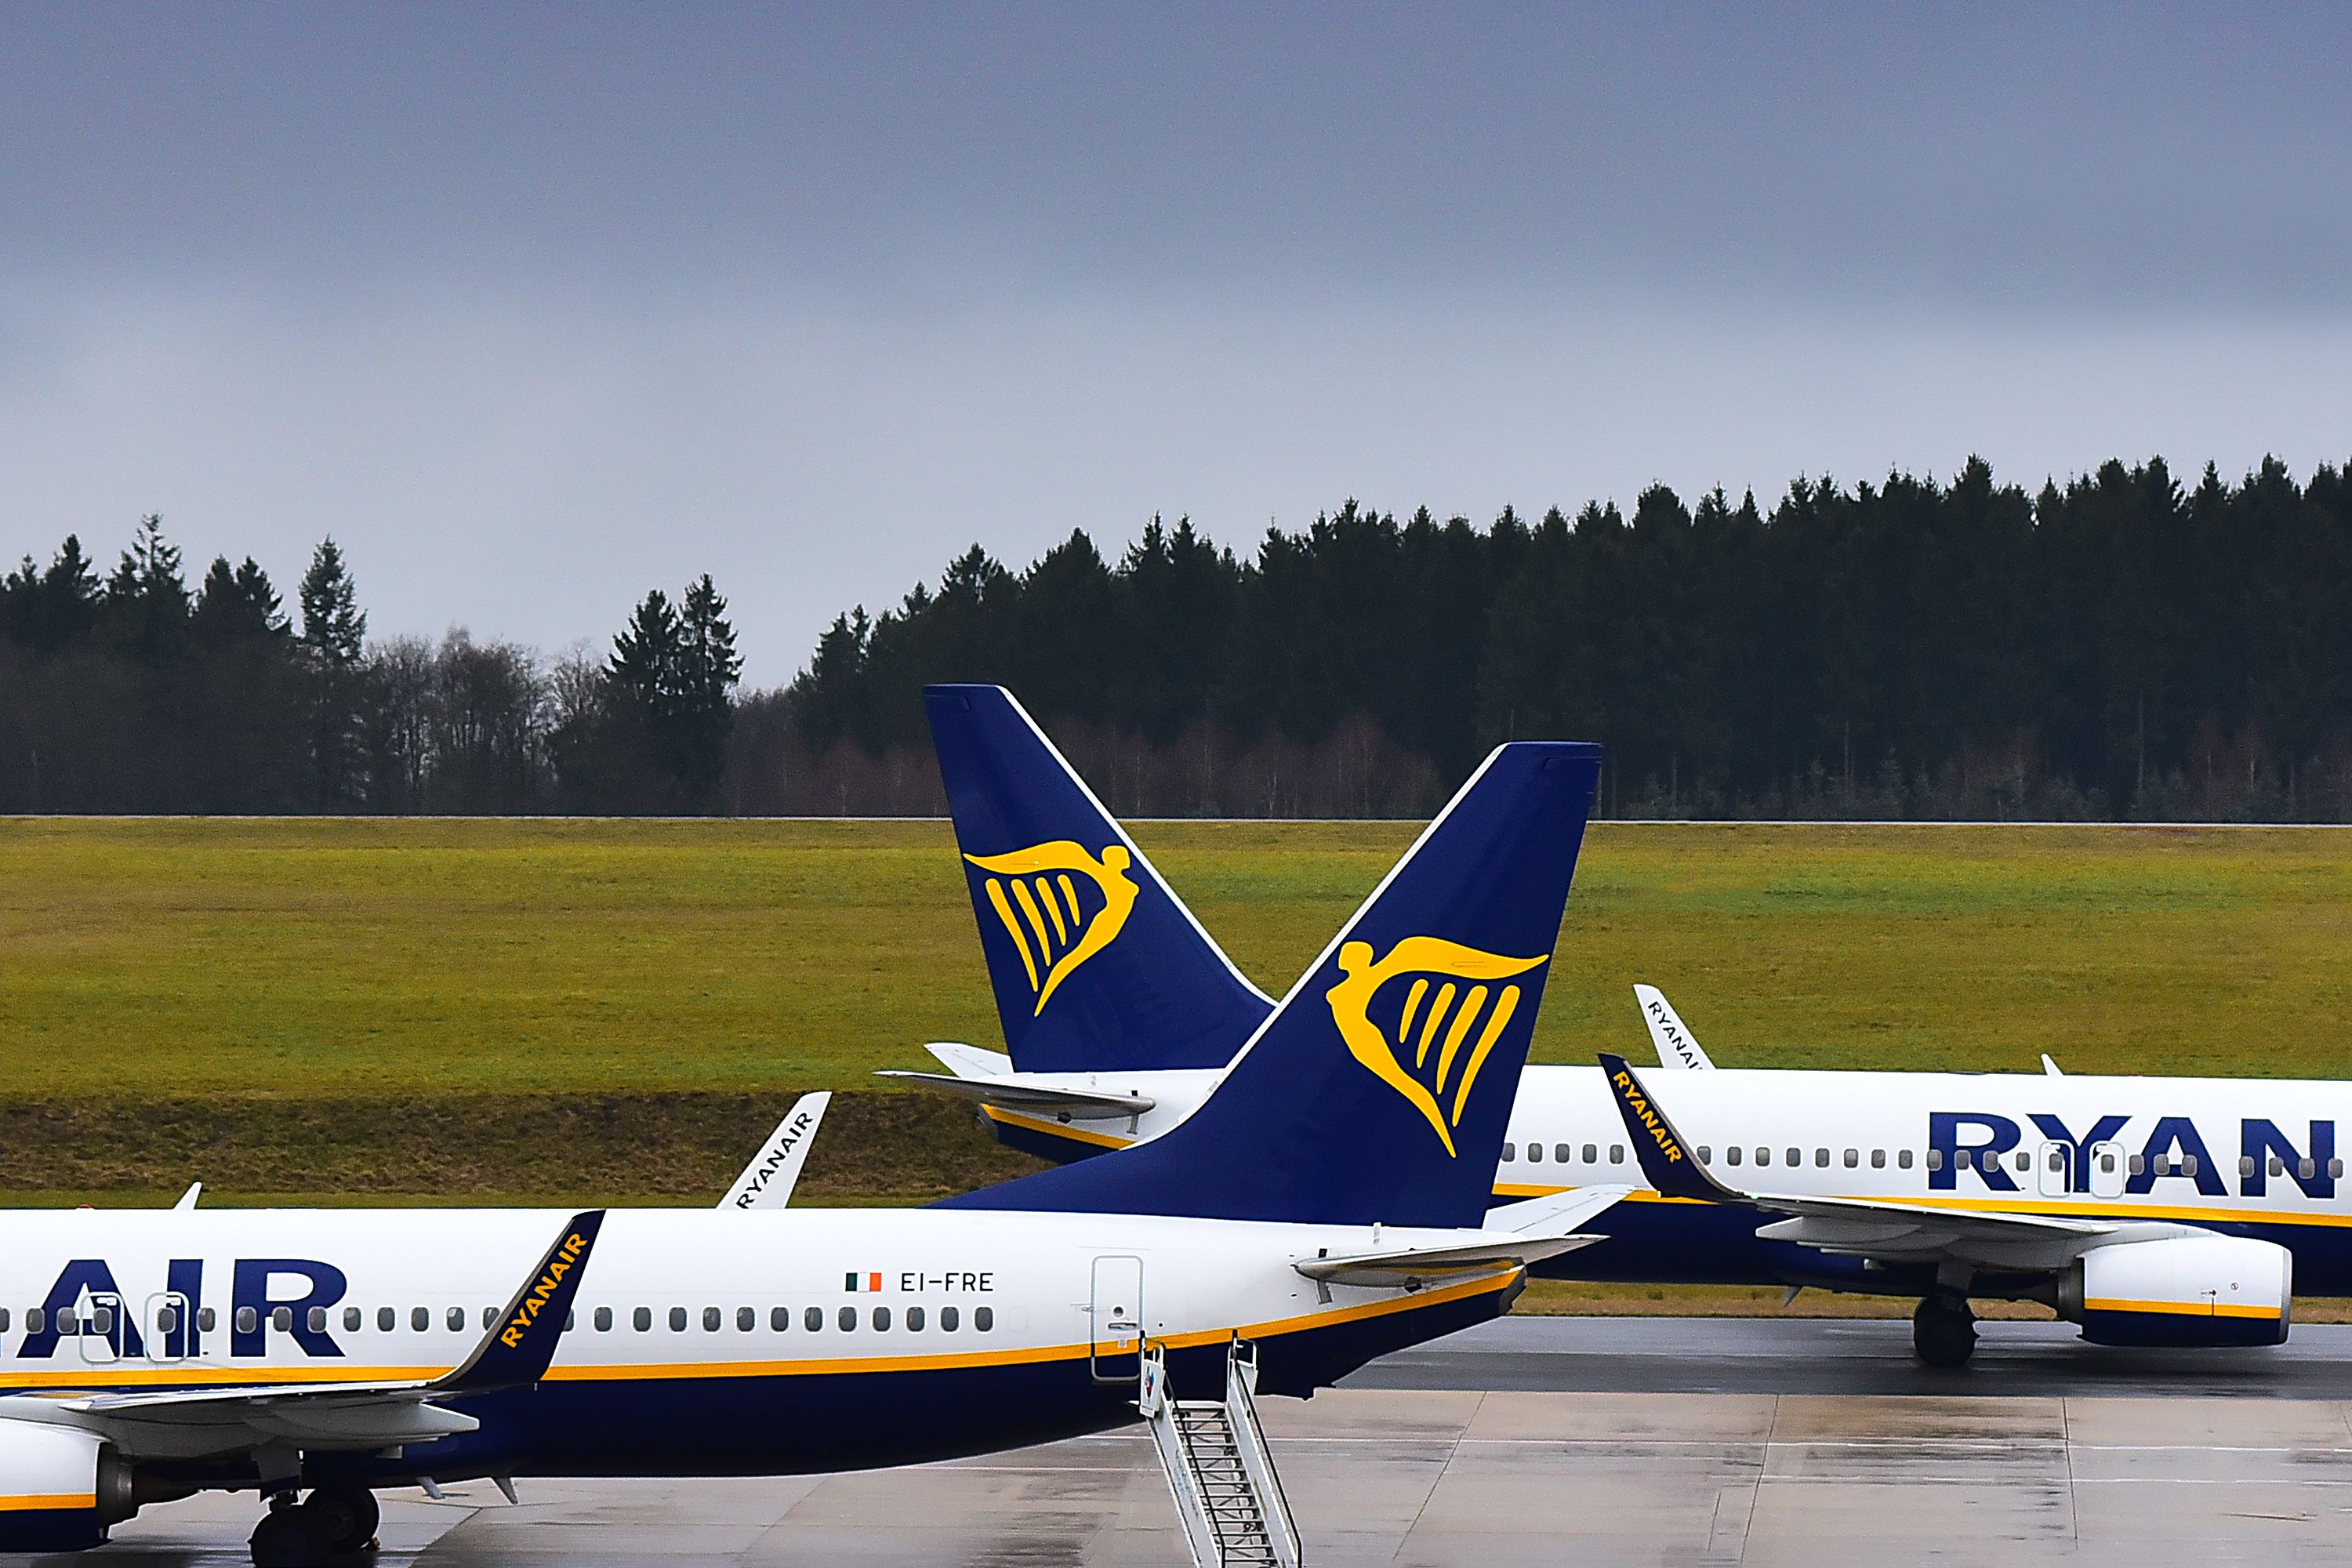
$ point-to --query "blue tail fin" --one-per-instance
(1096, 966)
(1380, 1089)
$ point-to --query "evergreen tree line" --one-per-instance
(2119, 647)
(133, 693)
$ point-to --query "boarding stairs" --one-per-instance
(1228, 1498)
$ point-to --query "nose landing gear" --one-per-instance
(335, 1522)
(1944, 1331)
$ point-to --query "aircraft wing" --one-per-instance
(1674, 1045)
(189, 1422)
(1017, 1094)
(1867, 1228)
(1513, 1236)
(767, 1182)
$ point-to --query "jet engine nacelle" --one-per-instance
(60, 1488)
(2188, 1290)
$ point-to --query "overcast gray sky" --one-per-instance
(535, 308)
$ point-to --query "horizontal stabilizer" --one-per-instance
(970, 1061)
(1406, 1265)
(1015, 1094)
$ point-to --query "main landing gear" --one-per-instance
(335, 1523)
(1943, 1330)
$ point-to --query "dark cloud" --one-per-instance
(537, 307)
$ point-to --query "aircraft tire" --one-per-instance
(287, 1538)
(1943, 1331)
(344, 1518)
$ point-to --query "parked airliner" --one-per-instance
(1327, 1202)
(2150, 1210)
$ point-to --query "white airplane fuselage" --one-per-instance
(2241, 1156)
(701, 1341)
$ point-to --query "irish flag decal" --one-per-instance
(865, 1283)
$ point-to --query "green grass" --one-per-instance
(305, 959)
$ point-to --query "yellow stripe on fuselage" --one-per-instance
(1057, 1129)
(230, 1378)
(2088, 1208)
(48, 1501)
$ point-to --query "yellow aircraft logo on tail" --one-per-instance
(1060, 906)
(1439, 1023)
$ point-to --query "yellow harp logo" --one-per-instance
(1441, 1023)
(1069, 906)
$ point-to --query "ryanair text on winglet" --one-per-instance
(1640, 1107)
(527, 1310)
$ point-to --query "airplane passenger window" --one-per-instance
(282, 1320)
(247, 1320)
(4, 1320)
(1731, 1155)
(2187, 1166)
(948, 1320)
(603, 1320)
(846, 1318)
(1591, 1155)
(1822, 1157)
(350, 1320)
(1510, 1152)
(746, 1320)
(1706, 1154)
(2020, 1160)
(1796, 1156)
(2306, 1168)
(571, 1319)
(319, 1320)
(166, 1319)
(1879, 1159)
(881, 1317)
(1617, 1154)
(1962, 1159)
(915, 1320)
(204, 1319)
(780, 1319)
(814, 1318)
(387, 1319)
(1853, 1158)
(489, 1316)
(2335, 1169)
(419, 1318)
(35, 1320)
(1560, 1151)
(642, 1319)
(710, 1320)
(2245, 1164)
(678, 1319)
(1934, 1159)
(1903, 1158)
(1534, 1152)
(2278, 1167)
(456, 1317)
(102, 1320)
(1763, 1156)
(983, 1318)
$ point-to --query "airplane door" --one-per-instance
(166, 1326)
(1118, 1316)
(2055, 1165)
(2108, 1170)
(99, 1327)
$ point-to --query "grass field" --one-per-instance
(471, 1011)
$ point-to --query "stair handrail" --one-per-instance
(1257, 1460)
(1175, 1461)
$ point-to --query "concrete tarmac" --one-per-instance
(1832, 1355)
(2219, 1468)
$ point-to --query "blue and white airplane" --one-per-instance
(1327, 1203)
(2150, 1210)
